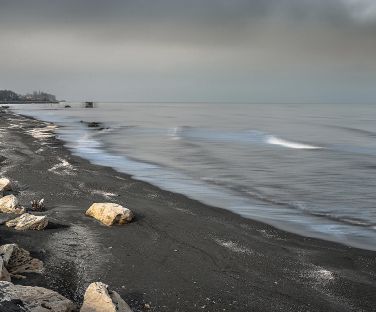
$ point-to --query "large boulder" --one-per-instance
(32, 299)
(99, 298)
(5, 185)
(28, 222)
(9, 204)
(109, 213)
(18, 260)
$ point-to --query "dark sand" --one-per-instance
(179, 254)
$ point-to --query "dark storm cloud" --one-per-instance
(209, 48)
(107, 20)
(171, 19)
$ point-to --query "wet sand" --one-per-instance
(178, 254)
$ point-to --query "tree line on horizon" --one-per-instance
(36, 96)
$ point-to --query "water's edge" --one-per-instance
(310, 228)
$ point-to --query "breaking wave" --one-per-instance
(251, 136)
(289, 144)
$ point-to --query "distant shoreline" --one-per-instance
(30, 102)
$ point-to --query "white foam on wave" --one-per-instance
(43, 133)
(252, 136)
(289, 144)
(174, 133)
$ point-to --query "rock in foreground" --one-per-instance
(18, 260)
(28, 222)
(98, 298)
(32, 299)
(109, 213)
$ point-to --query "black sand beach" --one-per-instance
(178, 254)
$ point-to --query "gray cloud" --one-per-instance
(247, 50)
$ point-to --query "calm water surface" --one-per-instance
(308, 169)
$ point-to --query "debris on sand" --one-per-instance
(38, 205)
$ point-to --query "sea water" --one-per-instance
(305, 168)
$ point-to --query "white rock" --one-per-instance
(5, 185)
(98, 298)
(28, 222)
(8, 204)
(109, 213)
(33, 299)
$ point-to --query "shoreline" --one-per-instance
(178, 252)
(294, 230)
(309, 224)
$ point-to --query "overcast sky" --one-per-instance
(191, 50)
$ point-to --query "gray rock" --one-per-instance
(18, 260)
(32, 299)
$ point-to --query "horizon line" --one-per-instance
(213, 102)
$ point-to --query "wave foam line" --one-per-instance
(277, 141)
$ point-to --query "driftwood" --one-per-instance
(38, 205)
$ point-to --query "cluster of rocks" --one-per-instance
(15, 261)
(9, 205)
(98, 298)
(107, 213)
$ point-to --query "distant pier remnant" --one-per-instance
(89, 104)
